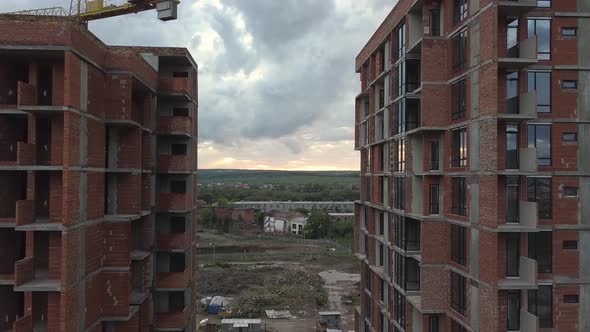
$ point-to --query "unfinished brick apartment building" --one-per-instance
(98, 181)
(473, 125)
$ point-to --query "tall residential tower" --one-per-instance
(97, 181)
(473, 124)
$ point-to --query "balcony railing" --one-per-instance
(173, 320)
(523, 106)
(528, 321)
(174, 163)
(527, 276)
(174, 124)
(174, 85)
(172, 241)
(520, 56)
(174, 201)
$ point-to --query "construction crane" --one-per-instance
(89, 10)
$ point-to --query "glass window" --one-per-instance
(458, 285)
(458, 244)
(459, 99)
(412, 274)
(459, 44)
(400, 193)
(456, 327)
(412, 235)
(179, 149)
(401, 78)
(459, 10)
(434, 199)
(570, 245)
(176, 303)
(399, 308)
(435, 22)
(569, 32)
(571, 299)
(459, 196)
(513, 310)
(381, 223)
(512, 38)
(541, 83)
(400, 155)
(459, 148)
(512, 254)
(512, 93)
(512, 199)
(539, 137)
(433, 324)
(178, 187)
(544, 3)
(512, 160)
(401, 40)
(540, 304)
(434, 156)
(570, 191)
(542, 29)
(539, 190)
(569, 84)
(541, 250)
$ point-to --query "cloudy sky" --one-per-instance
(276, 77)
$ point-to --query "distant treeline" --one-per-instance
(262, 177)
(323, 193)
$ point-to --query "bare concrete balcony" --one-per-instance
(528, 218)
(527, 276)
(175, 125)
(528, 321)
(174, 164)
(172, 280)
(28, 278)
(179, 86)
(415, 27)
(515, 8)
(528, 160)
(172, 241)
(523, 107)
(25, 212)
(520, 56)
(172, 320)
(174, 201)
(23, 324)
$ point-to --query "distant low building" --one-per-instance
(339, 216)
(285, 222)
(332, 206)
(241, 325)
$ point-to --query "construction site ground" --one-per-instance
(280, 273)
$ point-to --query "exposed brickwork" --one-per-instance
(84, 236)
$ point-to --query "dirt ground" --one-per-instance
(304, 277)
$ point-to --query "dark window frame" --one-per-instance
(458, 293)
(183, 74)
(540, 248)
(533, 140)
(400, 155)
(569, 84)
(460, 9)
(569, 191)
(459, 100)
(459, 147)
(569, 245)
(571, 298)
(459, 51)
(516, 296)
(435, 20)
(569, 137)
(435, 155)
(541, 55)
(512, 244)
(178, 186)
(434, 324)
(569, 31)
(180, 112)
(532, 83)
(544, 200)
(179, 149)
(459, 196)
(543, 294)
(459, 244)
(434, 198)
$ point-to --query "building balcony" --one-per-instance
(520, 56)
(23, 324)
(172, 241)
(25, 212)
(174, 164)
(175, 125)
(172, 320)
(28, 278)
(528, 219)
(174, 202)
(515, 8)
(528, 160)
(172, 280)
(528, 321)
(175, 86)
(526, 279)
(523, 107)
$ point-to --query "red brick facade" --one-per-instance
(84, 234)
(472, 136)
